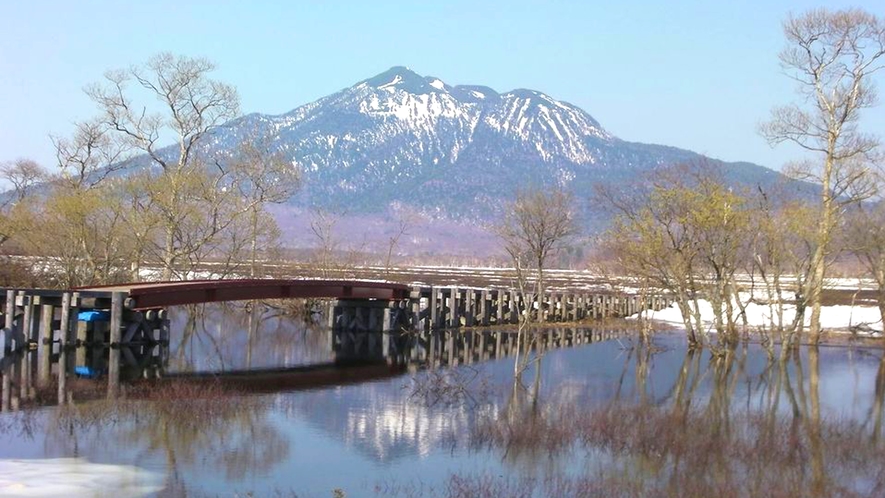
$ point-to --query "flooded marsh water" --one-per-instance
(609, 418)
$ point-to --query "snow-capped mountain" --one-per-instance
(449, 155)
(399, 137)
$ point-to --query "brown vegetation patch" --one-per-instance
(682, 452)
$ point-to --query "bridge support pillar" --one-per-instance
(115, 336)
(367, 328)
(44, 346)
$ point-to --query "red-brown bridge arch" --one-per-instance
(144, 295)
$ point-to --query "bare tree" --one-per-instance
(22, 175)
(92, 154)
(81, 231)
(191, 105)
(140, 218)
(322, 224)
(265, 176)
(401, 229)
(535, 226)
(684, 236)
(832, 56)
(83, 208)
(779, 249)
(864, 236)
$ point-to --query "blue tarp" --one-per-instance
(88, 372)
(94, 316)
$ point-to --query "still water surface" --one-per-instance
(367, 436)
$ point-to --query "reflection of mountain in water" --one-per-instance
(381, 422)
(384, 422)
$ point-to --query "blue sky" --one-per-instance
(694, 74)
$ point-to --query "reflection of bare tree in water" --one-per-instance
(277, 329)
(702, 441)
(686, 382)
(523, 415)
(226, 336)
(726, 370)
(639, 355)
(876, 410)
(717, 445)
(641, 370)
(192, 331)
(188, 425)
(524, 400)
(810, 408)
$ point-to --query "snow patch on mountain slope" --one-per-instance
(397, 103)
(396, 79)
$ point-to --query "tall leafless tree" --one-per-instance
(191, 104)
(833, 57)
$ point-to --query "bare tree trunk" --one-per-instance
(169, 254)
(879, 402)
(253, 249)
(880, 280)
(687, 315)
(818, 467)
(818, 260)
(541, 297)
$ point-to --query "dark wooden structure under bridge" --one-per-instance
(453, 307)
(382, 326)
(453, 347)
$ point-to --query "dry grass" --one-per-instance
(739, 455)
(450, 386)
(646, 451)
(669, 452)
(187, 407)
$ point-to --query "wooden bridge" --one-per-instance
(153, 295)
(131, 319)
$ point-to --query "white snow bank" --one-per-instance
(74, 477)
(840, 318)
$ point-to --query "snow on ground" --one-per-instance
(74, 477)
(836, 318)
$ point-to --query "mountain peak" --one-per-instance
(401, 71)
(403, 78)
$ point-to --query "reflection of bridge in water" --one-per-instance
(361, 355)
(452, 347)
(123, 330)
